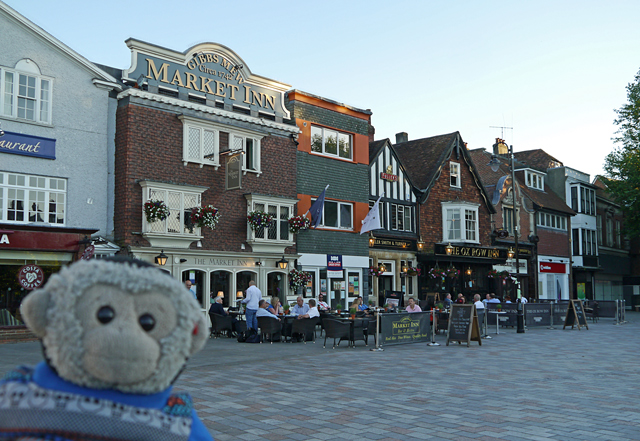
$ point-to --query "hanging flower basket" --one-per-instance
(452, 272)
(436, 273)
(492, 274)
(299, 223)
(259, 219)
(155, 210)
(205, 216)
(411, 271)
(375, 271)
(298, 278)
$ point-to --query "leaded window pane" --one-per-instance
(284, 223)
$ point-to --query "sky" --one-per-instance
(552, 72)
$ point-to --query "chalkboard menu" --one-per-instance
(463, 324)
(575, 315)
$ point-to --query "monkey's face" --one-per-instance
(122, 333)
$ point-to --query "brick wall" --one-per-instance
(553, 242)
(16, 334)
(431, 211)
(149, 147)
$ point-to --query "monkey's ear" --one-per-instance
(199, 335)
(34, 311)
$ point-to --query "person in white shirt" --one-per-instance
(312, 312)
(322, 305)
(263, 312)
(523, 299)
(477, 302)
(252, 300)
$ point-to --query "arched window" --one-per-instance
(221, 284)
(197, 278)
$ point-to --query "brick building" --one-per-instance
(196, 129)
(333, 150)
(454, 216)
(544, 221)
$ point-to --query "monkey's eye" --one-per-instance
(105, 314)
(147, 322)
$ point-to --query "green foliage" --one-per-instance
(622, 166)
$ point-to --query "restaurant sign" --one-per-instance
(30, 277)
(234, 172)
(389, 176)
(404, 328)
(396, 244)
(27, 145)
(206, 70)
(469, 251)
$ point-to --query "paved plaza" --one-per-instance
(541, 385)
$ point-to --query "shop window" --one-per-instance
(220, 283)
(29, 198)
(331, 143)
(179, 199)
(26, 94)
(454, 172)
(453, 228)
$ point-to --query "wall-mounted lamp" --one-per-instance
(511, 253)
(469, 271)
(183, 260)
(449, 249)
(161, 259)
(372, 240)
(420, 245)
(258, 263)
(405, 268)
(282, 263)
(382, 268)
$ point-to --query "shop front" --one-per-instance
(465, 269)
(393, 267)
(30, 254)
(339, 278)
(553, 277)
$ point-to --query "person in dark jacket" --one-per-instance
(217, 308)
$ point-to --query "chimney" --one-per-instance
(402, 137)
(500, 147)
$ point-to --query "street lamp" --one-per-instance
(282, 263)
(495, 165)
(161, 259)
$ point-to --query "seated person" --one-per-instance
(493, 299)
(507, 299)
(275, 307)
(300, 308)
(412, 307)
(447, 301)
(263, 312)
(460, 298)
(217, 308)
(322, 305)
(362, 306)
(312, 312)
(477, 302)
(356, 304)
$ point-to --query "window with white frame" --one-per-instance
(330, 142)
(534, 180)
(280, 210)
(251, 148)
(454, 172)
(400, 217)
(179, 199)
(507, 219)
(552, 221)
(25, 93)
(30, 198)
(337, 215)
(453, 229)
(618, 235)
(200, 142)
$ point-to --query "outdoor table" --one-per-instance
(497, 313)
(239, 315)
(352, 331)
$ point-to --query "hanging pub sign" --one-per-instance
(234, 172)
(389, 176)
(27, 145)
(207, 70)
(30, 277)
(88, 253)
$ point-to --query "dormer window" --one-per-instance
(454, 172)
(534, 180)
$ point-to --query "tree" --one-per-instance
(622, 166)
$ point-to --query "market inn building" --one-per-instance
(197, 129)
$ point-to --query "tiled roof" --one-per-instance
(422, 158)
(375, 147)
(546, 199)
(538, 159)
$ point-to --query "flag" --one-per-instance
(372, 221)
(316, 209)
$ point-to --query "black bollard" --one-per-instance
(520, 317)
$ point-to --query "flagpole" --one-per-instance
(307, 212)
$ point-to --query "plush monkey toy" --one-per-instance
(115, 334)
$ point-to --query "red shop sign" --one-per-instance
(549, 267)
(30, 277)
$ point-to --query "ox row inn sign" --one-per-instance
(27, 145)
(208, 70)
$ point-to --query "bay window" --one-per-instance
(276, 236)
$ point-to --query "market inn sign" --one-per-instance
(206, 70)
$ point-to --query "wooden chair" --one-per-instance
(220, 323)
(336, 330)
(269, 327)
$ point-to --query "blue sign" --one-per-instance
(334, 262)
(35, 146)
